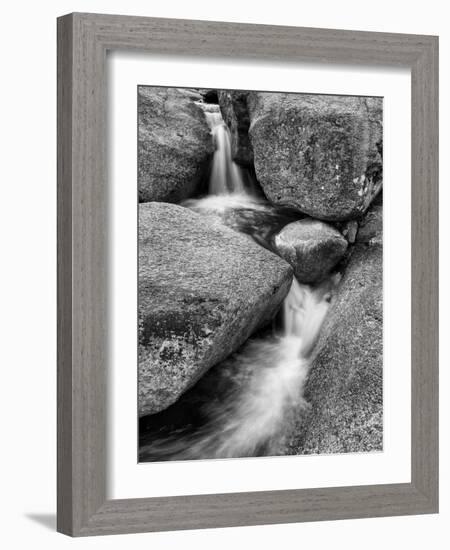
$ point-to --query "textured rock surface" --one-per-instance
(203, 289)
(321, 154)
(312, 248)
(345, 387)
(175, 144)
(371, 227)
(349, 229)
(233, 106)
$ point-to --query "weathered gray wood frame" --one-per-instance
(83, 40)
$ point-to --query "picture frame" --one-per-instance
(83, 41)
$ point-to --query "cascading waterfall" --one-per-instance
(226, 177)
(265, 378)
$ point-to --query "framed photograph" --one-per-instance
(247, 274)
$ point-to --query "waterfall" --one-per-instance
(265, 381)
(304, 311)
(257, 422)
(265, 378)
(226, 176)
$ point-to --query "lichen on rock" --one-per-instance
(319, 154)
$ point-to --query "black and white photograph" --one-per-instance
(224, 232)
(260, 274)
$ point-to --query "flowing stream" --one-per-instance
(226, 177)
(244, 406)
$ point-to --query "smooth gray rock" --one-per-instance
(203, 289)
(345, 385)
(174, 144)
(319, 154)
(311, 247)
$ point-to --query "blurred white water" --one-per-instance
(269, 373)
(304, 311)
(226, 177)
(254, 417)
(256, 423)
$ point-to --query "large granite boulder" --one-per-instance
(203, 289)
(312, 248)
(233, 106)
(320, 154)
(345, 385)
(174, 144)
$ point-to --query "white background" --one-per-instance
(28, 302)
(130, 480)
